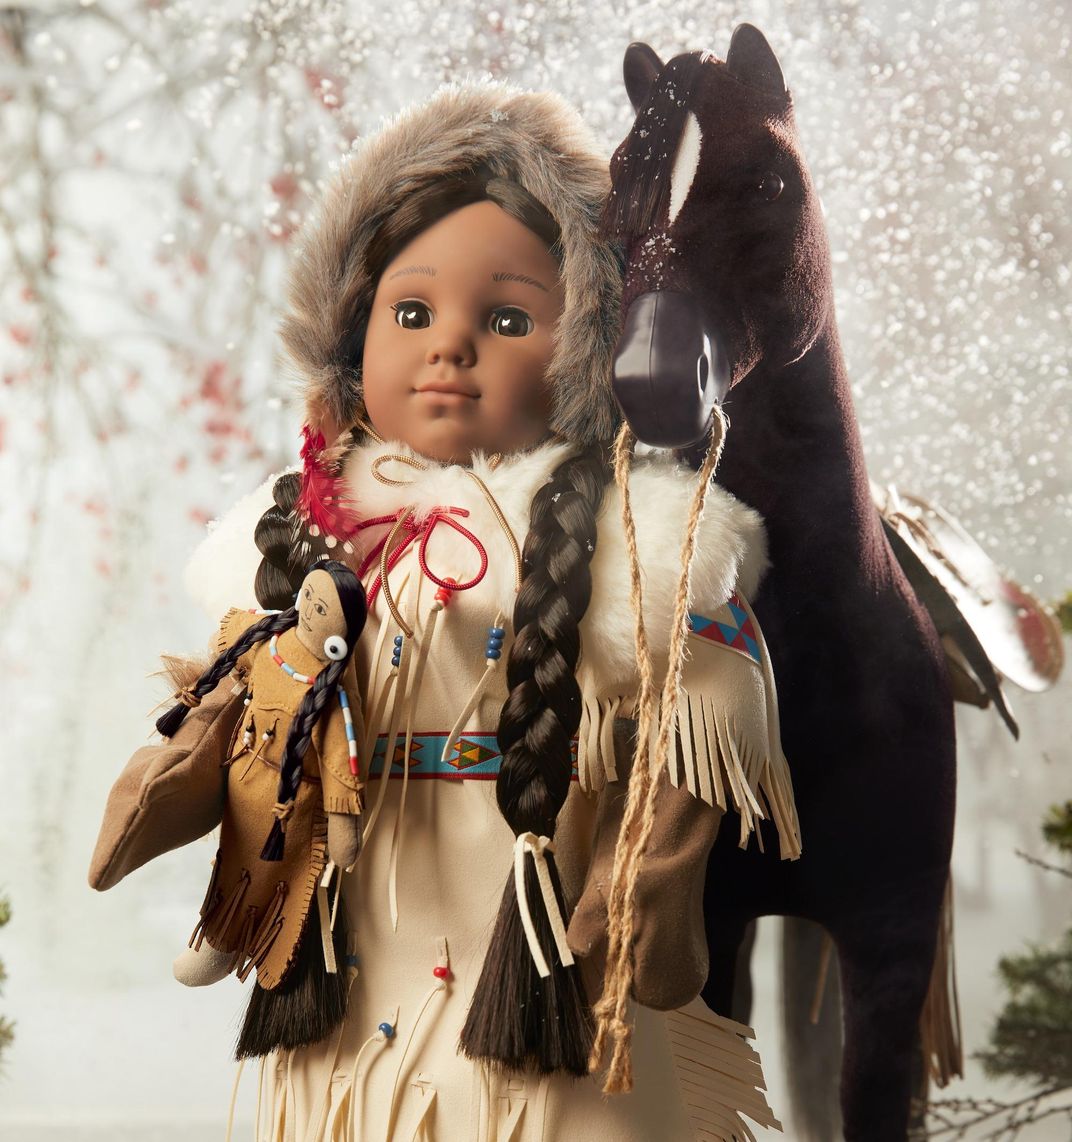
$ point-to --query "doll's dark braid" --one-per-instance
(299, 737)
(169, 722)
(543, 709)
(518, 1018)
(285, 545)
(323, 690)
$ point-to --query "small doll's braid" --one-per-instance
(168, 723)
(299, 737)
(517, 1017)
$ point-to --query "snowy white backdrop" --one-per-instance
(155, 161)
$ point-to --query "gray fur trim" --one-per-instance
(535, 139)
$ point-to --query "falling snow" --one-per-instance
(158, 162)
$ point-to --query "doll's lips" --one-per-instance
(445, 388)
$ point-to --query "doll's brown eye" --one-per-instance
(412, 314)
(321, 609)
(511, 322)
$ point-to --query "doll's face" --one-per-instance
(320, 613)
(460, 336)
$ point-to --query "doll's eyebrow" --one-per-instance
(428, 271)
(504, 277)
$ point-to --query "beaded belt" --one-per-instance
(474, 757)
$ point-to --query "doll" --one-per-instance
(292, 801)
(453, 313)
(297, 733)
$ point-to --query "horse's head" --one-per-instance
(727, 262)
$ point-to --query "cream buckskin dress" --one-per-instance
(426, 888)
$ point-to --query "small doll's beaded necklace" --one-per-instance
(278, 659)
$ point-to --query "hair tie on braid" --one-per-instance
(529, 1009)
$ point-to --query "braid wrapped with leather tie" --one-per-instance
(517, 1016)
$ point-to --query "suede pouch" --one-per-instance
(671, 959)
(169, 794)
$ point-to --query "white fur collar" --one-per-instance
(731, 549)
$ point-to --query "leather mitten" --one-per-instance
(169, 794)
(671, 960)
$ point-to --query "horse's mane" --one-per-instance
(641, 166)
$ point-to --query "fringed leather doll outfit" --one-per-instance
(437, 548)
(254, 908)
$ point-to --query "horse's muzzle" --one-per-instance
(668, 371)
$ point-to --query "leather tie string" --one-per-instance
(539, 846)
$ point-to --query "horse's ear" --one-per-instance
(640, 68)
(752, 61)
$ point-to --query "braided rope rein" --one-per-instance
(639, 817)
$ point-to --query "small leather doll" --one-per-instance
(293, 803)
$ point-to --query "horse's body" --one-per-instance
(867, 718)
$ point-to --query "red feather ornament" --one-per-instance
(322, 501)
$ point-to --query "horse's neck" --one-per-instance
(794, 453)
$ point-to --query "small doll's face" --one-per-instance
(320, 613)
(460, 337)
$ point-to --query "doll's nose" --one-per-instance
(452, 346)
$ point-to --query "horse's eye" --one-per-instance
(770, 186)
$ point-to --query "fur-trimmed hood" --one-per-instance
(731, 551)
(535, 139)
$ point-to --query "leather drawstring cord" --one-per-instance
(393, 546)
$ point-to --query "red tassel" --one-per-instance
(322, 502)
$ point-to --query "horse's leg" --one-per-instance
(730, 953)
(741, 1003)
(812, 1049)
(885, 958)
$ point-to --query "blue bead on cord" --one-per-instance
(495, 642)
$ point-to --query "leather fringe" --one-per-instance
(719, 1074)
(595, 742)
(724, 764)
(258, 942)
(939, 1022)
(212, 899)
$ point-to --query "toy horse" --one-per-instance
(728, 293)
